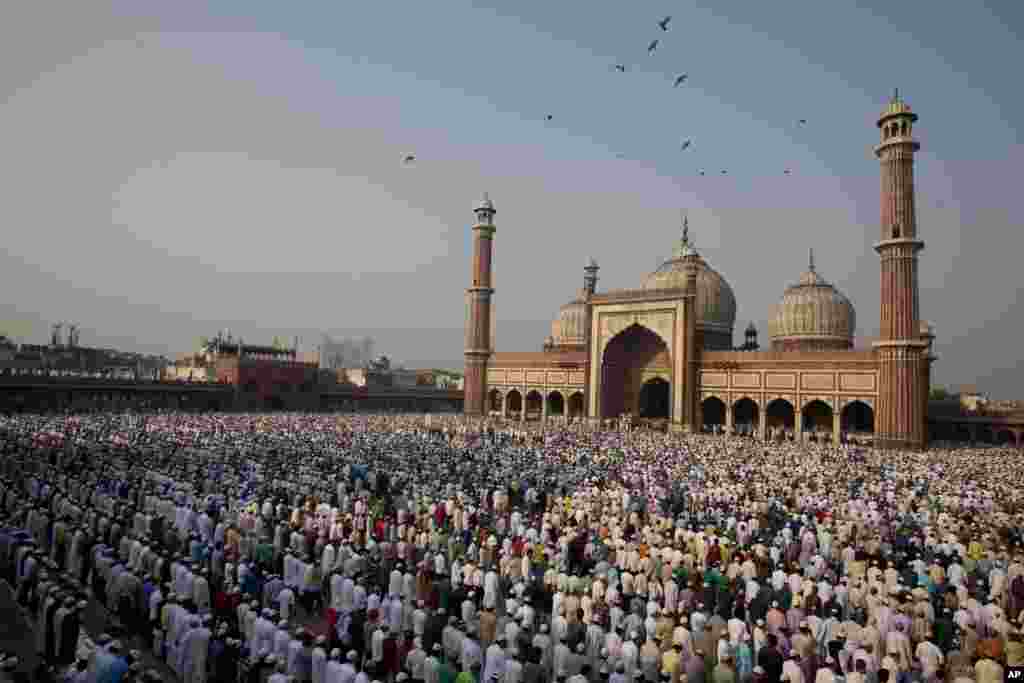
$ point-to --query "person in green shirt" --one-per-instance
(472, 676)
(723, 671)
(446, 672)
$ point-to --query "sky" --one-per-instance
(173, 169)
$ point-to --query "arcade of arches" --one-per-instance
(537, 404)
(817, 420)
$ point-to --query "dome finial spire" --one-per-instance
(810, 267)
(685, 247)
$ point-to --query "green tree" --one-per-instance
(938, 394)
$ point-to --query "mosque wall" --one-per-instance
(837, 379)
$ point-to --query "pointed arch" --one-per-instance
(816, 417)
(713, 410)
(655, 399)
(746, 415)
(624, 360)
(495, 400)
(534, 403)
(556, 403)
(857, 417)
(576, 405)
(514, 399)
(780, 414)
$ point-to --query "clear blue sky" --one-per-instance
(175, 168)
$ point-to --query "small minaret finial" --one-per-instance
(686, 228)
(811, 260)
(895, 94)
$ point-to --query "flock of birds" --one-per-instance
(679, 80)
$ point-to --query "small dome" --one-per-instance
(813, 315)
(570, 328)
(716, 303)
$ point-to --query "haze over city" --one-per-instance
(175, 169)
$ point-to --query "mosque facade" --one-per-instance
(664, 351)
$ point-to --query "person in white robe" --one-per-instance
(318, 670)
(194, 650)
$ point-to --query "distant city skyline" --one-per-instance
(174, 169)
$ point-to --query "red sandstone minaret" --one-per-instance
(479, 344)
(691, 413)
(903, 355)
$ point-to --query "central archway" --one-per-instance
(632, 353)
(655, 399)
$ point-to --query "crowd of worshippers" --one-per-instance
(329, 549)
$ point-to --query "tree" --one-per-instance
(938, 394)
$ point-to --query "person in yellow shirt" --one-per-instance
(670, 662)
(975, 550)
(1015, 648)
(988, 671)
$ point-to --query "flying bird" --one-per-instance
(685, 146)
(724, 172)
(701, 172)
(652, 47)
(621, 68)
(663, 24)
(680, 79)
(802, 122)
(786, 171)
(549, 117)
(409, 159)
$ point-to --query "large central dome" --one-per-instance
(716, 303)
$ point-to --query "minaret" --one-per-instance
(686, 405)
(901, 414)
(478, 299)
(589, 289)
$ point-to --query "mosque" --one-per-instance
(664, 351)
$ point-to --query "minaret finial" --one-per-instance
(895, 94)
(811, 260)
(686, 228)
